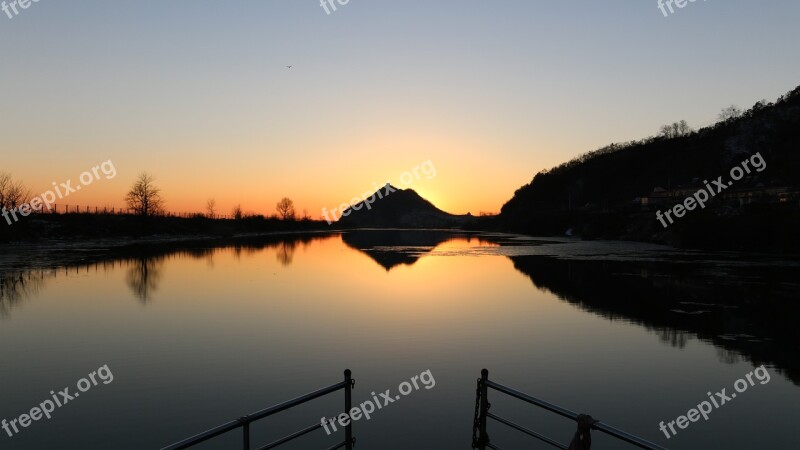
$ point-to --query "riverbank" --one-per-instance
(762, 230)
(91, 227)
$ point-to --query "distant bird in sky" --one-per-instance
(289, 67)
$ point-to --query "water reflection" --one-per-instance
(15, 286)
(143, 277)
(143, 264)
(285, 252)
(392, 248)
(745, 312)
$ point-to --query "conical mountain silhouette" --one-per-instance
(402, 208)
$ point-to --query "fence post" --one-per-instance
(483, 438)
(246, 431)
(348, 405)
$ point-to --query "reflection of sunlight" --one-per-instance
(461, 242)
(465, 246)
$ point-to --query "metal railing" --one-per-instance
(481, 441)
(244, 422)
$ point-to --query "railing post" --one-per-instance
(246, 431)
(483, 438)
(348, 405)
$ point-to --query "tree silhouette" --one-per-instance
(211, 208)
(144, 198)
(730, 113)
(12, 193)
(285, 208)
(237, 212)
(676, 129)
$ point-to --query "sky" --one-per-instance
(197, 93)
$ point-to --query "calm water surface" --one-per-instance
(196, 336)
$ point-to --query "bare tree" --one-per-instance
(306, 215)
(211, 208)
(730, 113)
(684, 128)
(12, 193)
(144, 198)
(285, 208)
(5, 182)
(237, 212)
(675, 130)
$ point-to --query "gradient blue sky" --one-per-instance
(196, 92)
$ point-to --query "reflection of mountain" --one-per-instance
(390, 248)
(747, 311)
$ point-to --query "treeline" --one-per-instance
(146, 215)
(608, 180)
(89, 227)
(144, 199)
(786, 104)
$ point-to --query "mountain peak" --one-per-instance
(391, 206)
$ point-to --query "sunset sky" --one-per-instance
(198, 94)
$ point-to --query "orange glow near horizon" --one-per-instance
(467, 177)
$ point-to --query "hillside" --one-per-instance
(615, 192)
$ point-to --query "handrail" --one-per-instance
(337, 446)
(599, 426)
(531, 433)
(291, 437)
(244, 422)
